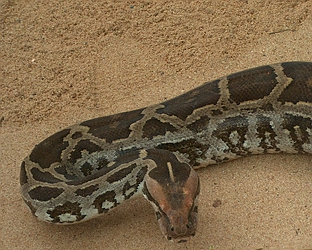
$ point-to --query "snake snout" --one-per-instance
(180, 226)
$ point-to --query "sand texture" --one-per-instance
(67, 61)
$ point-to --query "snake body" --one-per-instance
(89, 168)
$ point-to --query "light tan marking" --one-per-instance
(170, 171)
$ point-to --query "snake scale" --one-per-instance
(89, 168)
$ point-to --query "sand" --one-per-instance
(67, 61)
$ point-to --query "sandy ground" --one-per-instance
(67, 61)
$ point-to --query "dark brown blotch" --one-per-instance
(72, 208)
(51, 148)
(122, 173)
(86, 169)
(43, 176)
(184, 105)
(45, 193)
(252, 84)
(300, 89)
(107, 196)
(84, 192)
(154, 127)
(113, 127)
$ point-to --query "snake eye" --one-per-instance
(172, 229)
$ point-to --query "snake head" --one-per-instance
(173, 192)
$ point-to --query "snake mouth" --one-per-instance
(182, 239)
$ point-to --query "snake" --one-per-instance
(90, 168)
